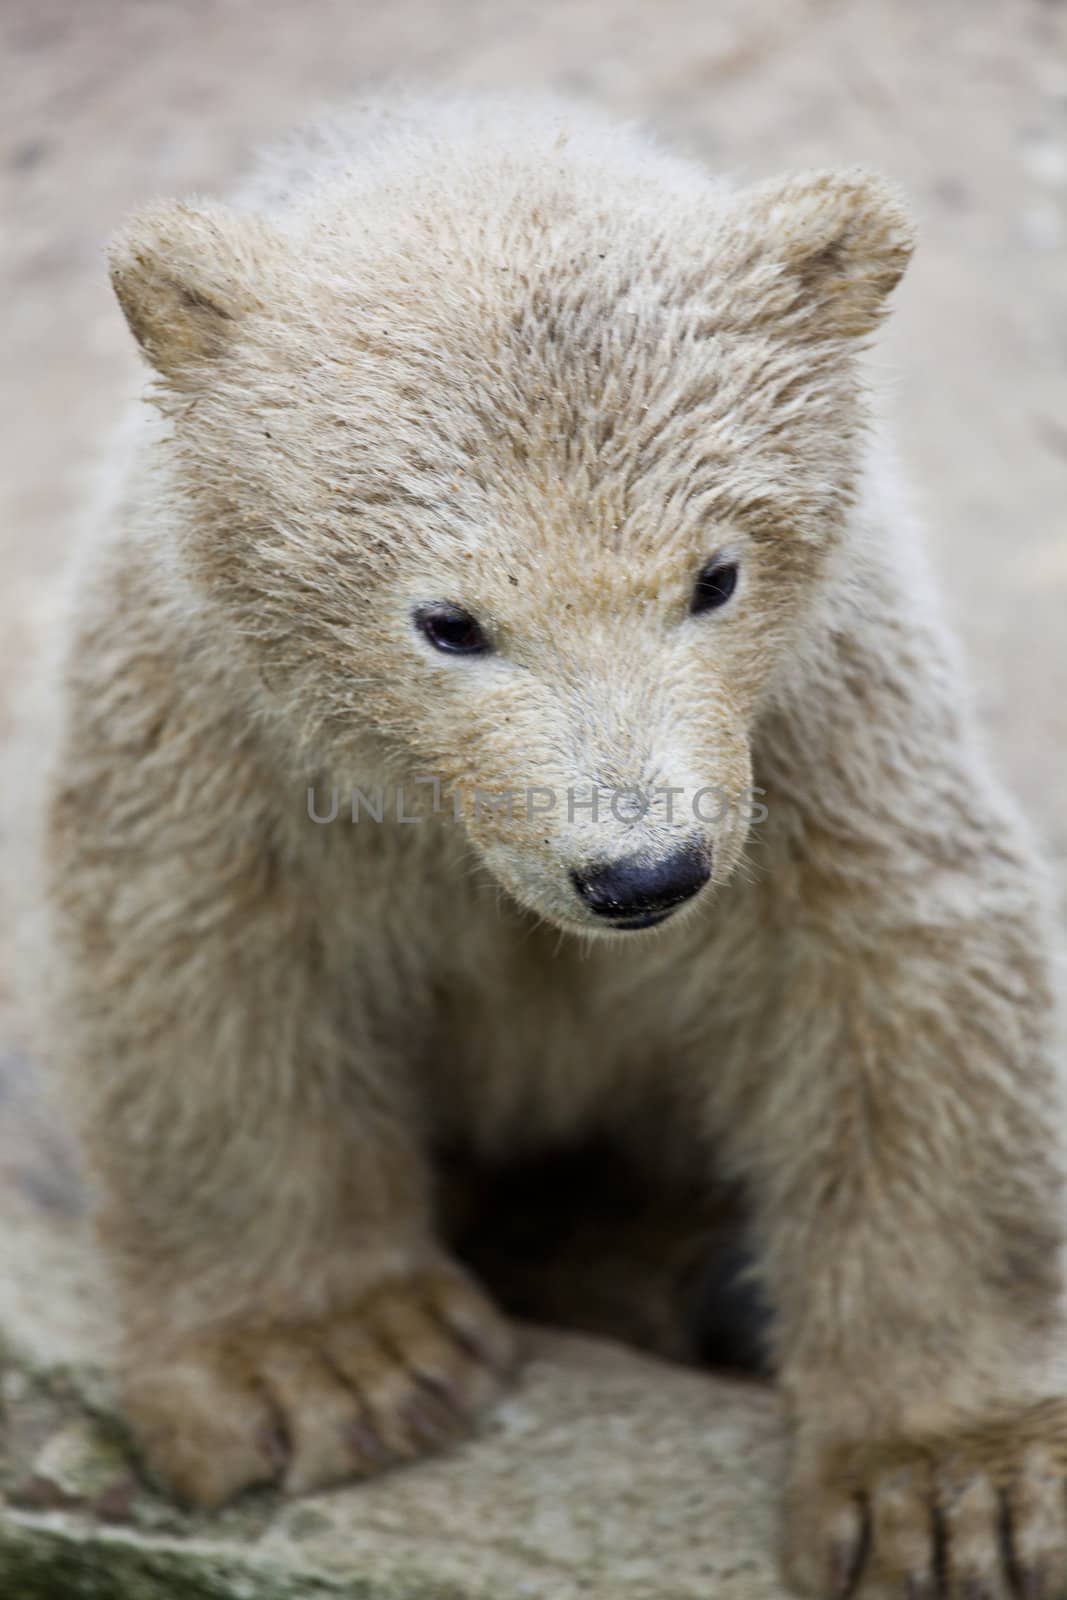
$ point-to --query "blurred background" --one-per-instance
(108, 103)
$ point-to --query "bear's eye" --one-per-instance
(451, 629)
(715, 585)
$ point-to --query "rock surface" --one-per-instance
(604, 1475)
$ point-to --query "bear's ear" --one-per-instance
(841, 241)
(184, 276)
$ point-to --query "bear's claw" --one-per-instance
(403, 1372)
(978, 1514)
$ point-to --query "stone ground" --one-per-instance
(605, 1475)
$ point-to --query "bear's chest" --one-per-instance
(538, 1039)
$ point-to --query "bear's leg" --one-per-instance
(264, 1203)
(287, 1312)
(905, 1154)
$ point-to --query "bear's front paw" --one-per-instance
(974, 1513)
(403, 1371)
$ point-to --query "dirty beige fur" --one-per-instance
(521, 363)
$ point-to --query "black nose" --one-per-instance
(636, 894)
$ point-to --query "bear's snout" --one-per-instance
(637, 894)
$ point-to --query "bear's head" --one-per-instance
(520, 474)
